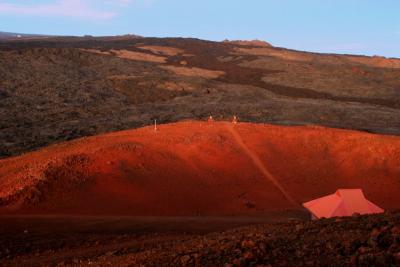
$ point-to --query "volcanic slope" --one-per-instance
(61, 88)
(201, 168)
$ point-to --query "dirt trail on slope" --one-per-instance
(260, 165)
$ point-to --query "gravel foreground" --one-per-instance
(356, 241)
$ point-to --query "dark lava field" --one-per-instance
(54, 89)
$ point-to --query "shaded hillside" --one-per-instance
(63, 88)
(201, 168)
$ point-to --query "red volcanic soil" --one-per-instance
(201, 168)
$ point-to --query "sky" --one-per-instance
(366, 27)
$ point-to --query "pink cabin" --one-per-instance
(344, 202)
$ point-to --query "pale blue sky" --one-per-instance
(341, 26)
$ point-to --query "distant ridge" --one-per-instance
(255, 42)
(12, 35)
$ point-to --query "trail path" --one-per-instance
(259, 164)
